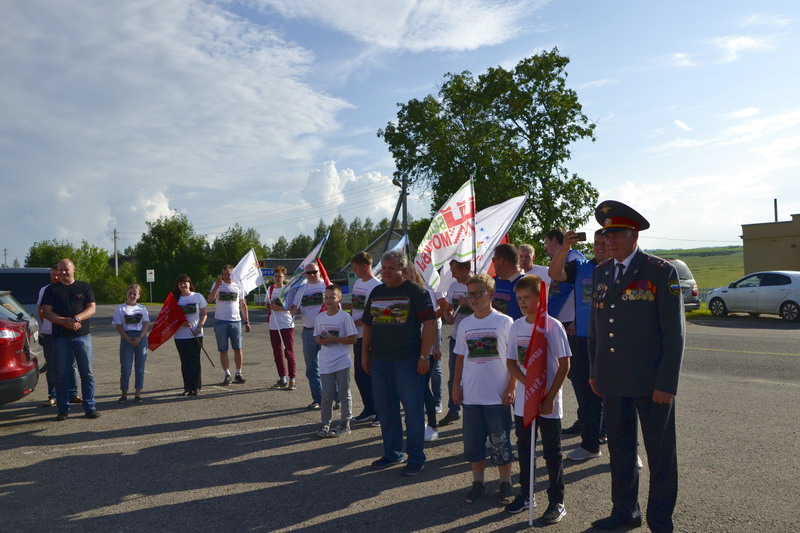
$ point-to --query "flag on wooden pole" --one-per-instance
(169, 320)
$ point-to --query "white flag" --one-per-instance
(449, 236)
(399, 245)
(247, 273)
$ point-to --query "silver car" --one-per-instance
(774, 292)
(691, 295)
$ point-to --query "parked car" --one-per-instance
(19, 350)
(775, 292)
(691, 295)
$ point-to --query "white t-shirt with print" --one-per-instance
(278, 319)
(130, 317)
(482, 342)
(191, 306)
(454, 293)
(336, 356)
(228, 297)
(360, 293)
(557, 347)
(309, 299)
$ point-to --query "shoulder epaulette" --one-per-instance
(657, 261)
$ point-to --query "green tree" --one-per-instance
(47, 253)
(171, 247)
(336, 253)
(511, 131)
(230, 247)
(300, 246)
(91, 263)
(281, 248)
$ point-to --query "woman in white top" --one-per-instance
(281, 332)
(132, 322)
(189, 337)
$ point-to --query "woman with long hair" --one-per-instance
(189, 338)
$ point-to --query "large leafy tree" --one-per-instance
(230, 247)
(511, 130)
(48, 253)
(171, 247)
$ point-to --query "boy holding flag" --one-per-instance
(537, 345)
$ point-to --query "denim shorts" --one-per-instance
(228, 329)
(492, 421)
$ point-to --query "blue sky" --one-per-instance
(265, 112)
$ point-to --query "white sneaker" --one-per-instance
(639, 462)
(580, 454)
(438, 408)
(430, 434)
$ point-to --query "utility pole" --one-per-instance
(401, 202)
(116, 255)
(5, 257)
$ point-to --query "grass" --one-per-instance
(712, 267)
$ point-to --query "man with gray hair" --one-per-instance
(399, 332)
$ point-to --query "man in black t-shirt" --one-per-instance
(396, 354)
(69, 304)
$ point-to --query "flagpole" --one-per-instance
(474, 235)
(531, 472)
(196, 338)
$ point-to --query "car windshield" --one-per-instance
(683, 270)
(10, 309)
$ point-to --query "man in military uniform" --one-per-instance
(636, 339)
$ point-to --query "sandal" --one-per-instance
(49, 403)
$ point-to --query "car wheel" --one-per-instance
(790, 311)
(754, 315)
(717, 307)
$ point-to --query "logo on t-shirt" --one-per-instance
(133, 319)
(189, 309)
(522, 351)
(389, 310)
(483, 348)
(309, 300)
(228, 296)
(359, 301)
(501, 301)
(332, 332)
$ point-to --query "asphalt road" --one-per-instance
(244, 458)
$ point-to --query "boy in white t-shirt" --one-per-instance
(548, 422)
(335, 332)
(484, 386)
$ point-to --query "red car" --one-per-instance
(19, 347)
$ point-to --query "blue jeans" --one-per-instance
(79, 350)
(311, 355)
(363, 381)
(127, 356)
(433, 384)
(392, 383)
(46, 340)
(451, 365)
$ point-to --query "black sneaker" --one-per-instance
(313, 406)
(505, 495)
(519, 504)
(412, 469)
(226, 381)
(382, 463)
(554, 513)
(476, 492)
(61, 417)
(280, 385)
(239, 379)
(92, 414)
(364, 417)
(449, 418)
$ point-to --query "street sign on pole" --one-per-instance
(151, 277)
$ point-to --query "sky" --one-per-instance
(265, 112)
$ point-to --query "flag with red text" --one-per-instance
(536, 361)
(170, 318)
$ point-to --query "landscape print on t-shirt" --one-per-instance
(133, 319)
(389, 310)
(189, 309)
(359, 301)
(332, 332)
(309, 300)
(482, 346)
(228, 296)
(522, 350)
(500, 302)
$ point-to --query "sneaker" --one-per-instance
(226, 381)
(193, 392)
(376, 423)
(554, 513)
(61, 417)
(313, 406)
(505, 495)
(92, 414)
(292, 385)
(438, 408)
(476, 492)
(336, 406)
(639, 464)
(280, 385)
(138, 399)
(382, 463)
(581, 454)
(431, 434)
(340, 430)
(324, 433)
(122, 399)
(519, 504)
(364, 417)
(449, 418)
(412, 469)
(239, 379)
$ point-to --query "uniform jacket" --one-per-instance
(636, 329)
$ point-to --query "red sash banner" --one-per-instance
(170, 318)
(323, 275)
(536, 362)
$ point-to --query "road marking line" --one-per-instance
(741, 351)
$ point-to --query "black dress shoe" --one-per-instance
(574, 429)
(612, 522)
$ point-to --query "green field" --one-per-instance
(712, 267)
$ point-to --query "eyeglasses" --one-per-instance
(476, 294)
(309, 272)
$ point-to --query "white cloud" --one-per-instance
(732, 46)
(742, 113)
(682, 125)
(598, 83)
(683, 59)
(417, 25)
(766, 19)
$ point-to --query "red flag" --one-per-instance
(323, 274)
(491, 271)
(536, 362)
(170, 318)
